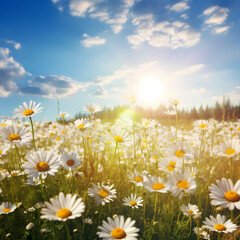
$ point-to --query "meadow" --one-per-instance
(127, 179)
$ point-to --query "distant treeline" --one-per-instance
(224, 111)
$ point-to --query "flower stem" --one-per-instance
(32, 133)
(68, 231)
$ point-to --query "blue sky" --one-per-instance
(104, 51)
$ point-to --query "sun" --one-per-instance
(150, 91)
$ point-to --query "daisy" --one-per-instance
(62, 208)
(102, 193)
(219, 224)
(70, 161)
(118, 228)
(156, 184)
(176, 101)
(132, 100)
(182, 182)
(119, 135)
(190, 210)
(7, 207)
(137, 177)
(41, 163)
(179, 150)
(203, 124)
(148, 123)
(229, 149)
(225, 194)
(202, 234)
(133, 201)
(92, 108)
(82, 124)
(4, 147)
(63, 114)
(16, 136)
(27, 110)
(5, 123)
(170, 165)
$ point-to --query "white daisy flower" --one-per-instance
(82, 123)
(156, 184)
(202, 234)
(190, 210)
(133, 201)
(5, 123)
(182, 182)
(27, 110)
(175, 101)
(62, 208)
(70, 161)
(16, 136)
(229, 149)
(170, 165)
(7, 207)
(148, 123)
(4, 147)
(132, 100)
(118, 228)
(179, 150)
(41, 163)
(203, 125)
(88, 221)
(92, 107)
(225, 194)
(137, 177)
(119, 135)
(63, 114)
(102, 193)
(219, 224)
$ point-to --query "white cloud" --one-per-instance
(52, 86)
(115, 15)
(92, 41)
(101, 92)
(221, 29)
(164, 34)
(233, 95)
(198, 91)
(184, 16)
(216, 15)
(189, 70)
(10, 70)
(180, 6)
(16, 45)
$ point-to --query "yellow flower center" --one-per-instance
(64, 213)
(138, 179)
(230, 151)
(118, 233)
(42, 166)
(51, 134)
(53, 126)
(103, 193)
(133, 203)
(171, 166)
(144, 140)
(58, 139)
(232, 196)
(70, 162)
(81, 126)
(154, 157)
(62, 132)
(146, 124)
(158, 186)
(6, 210)
(108, 142)
(192, 144)
(180, 153)
(92, 110)
(202, 125)
(220, 227)
(238, 129)
(190, 212)
(14, 136)
(28, 112)
(0, 152)
(139, 154)
(118, 139)
(63, 115)
(183, 184)
(3, 125)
